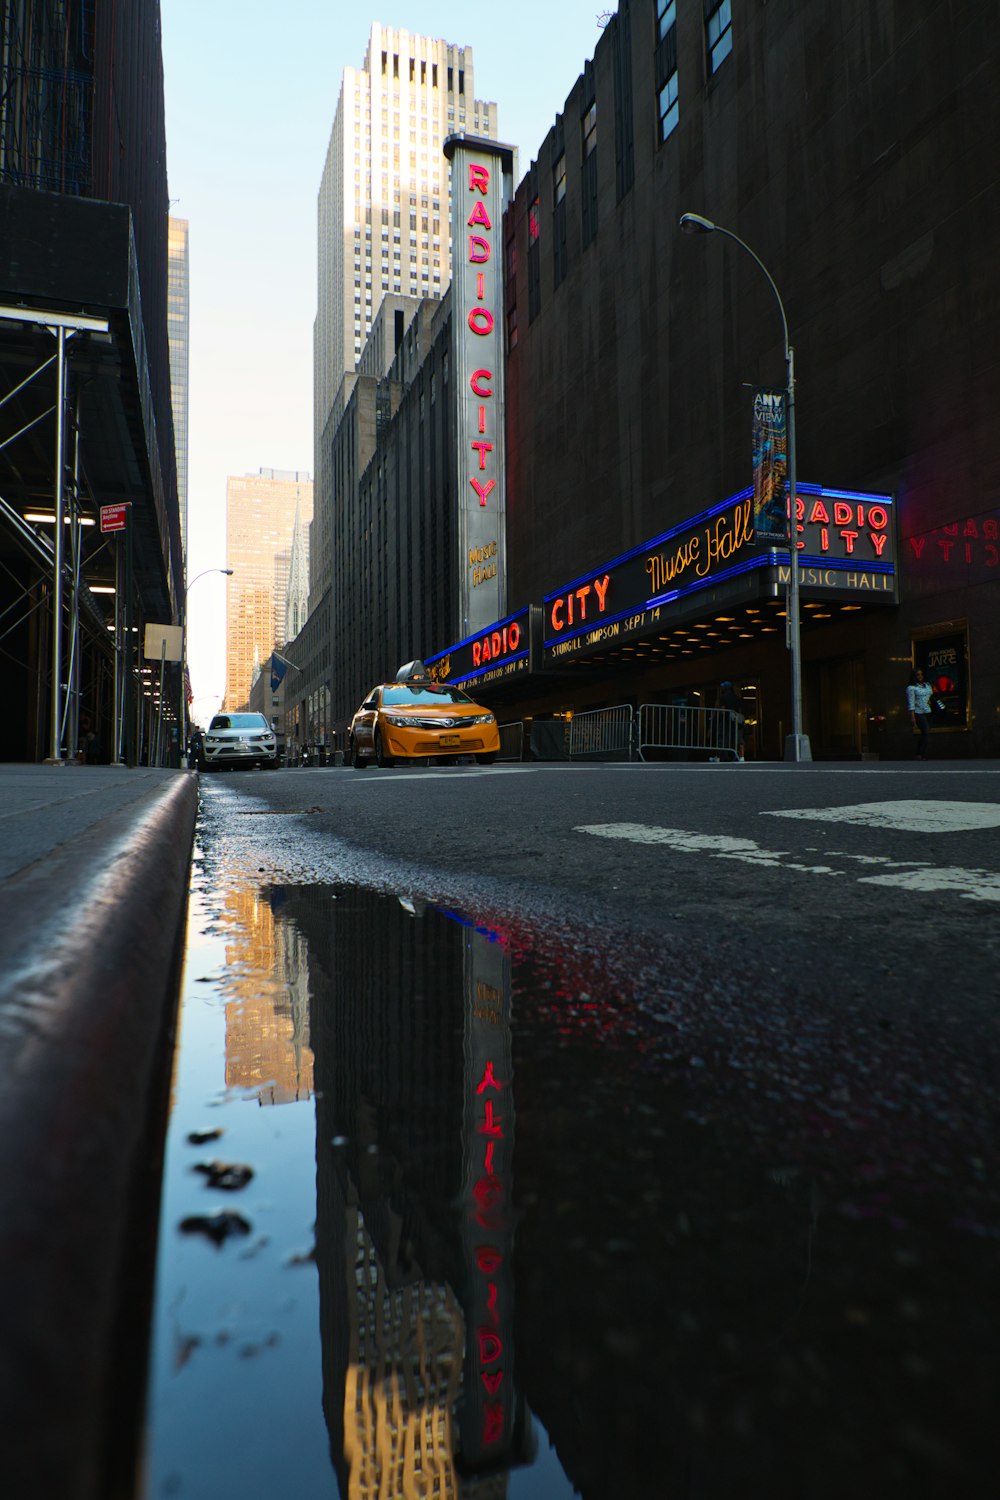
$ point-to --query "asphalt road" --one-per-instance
(756, 1052)
(865, 880)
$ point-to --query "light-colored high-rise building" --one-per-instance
(261, 513)
(178, 336)
(384, 203)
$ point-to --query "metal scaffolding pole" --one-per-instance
(55, 738)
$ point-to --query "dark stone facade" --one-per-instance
(391, 516)
(856, 148)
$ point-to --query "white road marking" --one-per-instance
(973, 885)
(718, 845)
(911, 875)
(907, 816)
(393, 774)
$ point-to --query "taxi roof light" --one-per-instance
(413, 671)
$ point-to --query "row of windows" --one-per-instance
(423, 72)
(718, 45)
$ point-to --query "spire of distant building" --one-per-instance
(297, 598)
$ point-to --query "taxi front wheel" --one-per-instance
(487, 759)
(381, 759)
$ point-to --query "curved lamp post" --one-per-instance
(796, 744)
(229, 573)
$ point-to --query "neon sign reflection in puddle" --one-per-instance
(370, 1281)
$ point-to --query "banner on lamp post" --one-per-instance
(770, 467)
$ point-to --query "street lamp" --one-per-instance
(229, 573)
(796, 744)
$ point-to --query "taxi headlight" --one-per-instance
(483, 719)
(398, 721)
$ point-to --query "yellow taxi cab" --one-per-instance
(414, 717)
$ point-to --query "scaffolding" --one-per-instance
(46, 94)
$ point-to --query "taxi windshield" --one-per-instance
(402, 695)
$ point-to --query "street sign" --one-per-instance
(114, 517)
(163, 643)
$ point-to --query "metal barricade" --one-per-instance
(604, 732)
(679, 727)
(511, 741)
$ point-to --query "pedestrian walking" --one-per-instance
(918, 701)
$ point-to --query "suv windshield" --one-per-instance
(408, 696)
(240, 721)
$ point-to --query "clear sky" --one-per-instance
(251, 90)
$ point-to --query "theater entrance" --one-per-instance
(836, 710)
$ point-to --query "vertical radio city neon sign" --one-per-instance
(481, 182)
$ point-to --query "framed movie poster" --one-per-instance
(943, 653)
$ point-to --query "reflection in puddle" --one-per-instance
(495, 1189)
(414, 1228)
(391, 1022)
(267, 1016)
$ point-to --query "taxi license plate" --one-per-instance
(450, 739)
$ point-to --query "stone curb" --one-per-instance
(87, 1009)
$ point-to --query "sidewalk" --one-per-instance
(94, 864)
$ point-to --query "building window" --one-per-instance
(669, 107)
(534, 281)
(666, 16)
(590, 130)
(588, 126)
(560, 256)
(511, 327)
(534, 222)
(667, 81)
(719, 35)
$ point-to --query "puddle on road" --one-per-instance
(452, 1210)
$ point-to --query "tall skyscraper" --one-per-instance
(178, 334)
(261, 514)
(384, 205)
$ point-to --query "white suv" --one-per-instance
(239, 740)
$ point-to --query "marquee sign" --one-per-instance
(481, 186)
(846, 542)
(846, 527)
(627, 597)
(496, 654)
